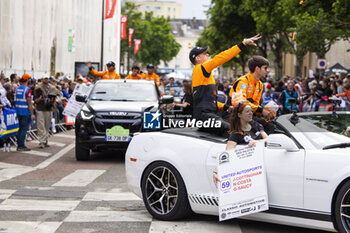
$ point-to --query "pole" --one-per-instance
(102, 32)
(129, 59)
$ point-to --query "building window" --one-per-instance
(157, 8)
(169, 9)
(147, 7)
(174, 9)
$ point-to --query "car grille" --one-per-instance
(101, 126)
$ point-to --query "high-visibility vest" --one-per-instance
(21, 101)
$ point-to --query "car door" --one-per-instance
(285, 173)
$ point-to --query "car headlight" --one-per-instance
(86, 114)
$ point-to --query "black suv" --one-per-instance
(113, 113)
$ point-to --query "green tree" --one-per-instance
(229, 24)
(157, 42)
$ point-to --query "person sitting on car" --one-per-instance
(134, 73)
(187, 100)
(243, 130)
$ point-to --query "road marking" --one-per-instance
(55, 157)
(29, 227)
(49, 205)
(10, 165)
(39, 153)
(50, 143)
(106, 196)
(6, 193)
(193, 227)
(79, 178)
(9, 173)
(109, 216)
(64, 136)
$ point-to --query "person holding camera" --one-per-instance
(45, 96)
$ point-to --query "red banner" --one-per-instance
(110, 8)
(123, 21)
(137, 45)
(131, 33)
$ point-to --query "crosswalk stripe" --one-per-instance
(10, 165)
(50, 205)
(64, 136)
(109, 216)
(193, 227)
(106, 196)
(39, 153)
(6, 193)
(9, 173)
(29, 227)
(79, 178)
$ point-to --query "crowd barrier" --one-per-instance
(57, 125)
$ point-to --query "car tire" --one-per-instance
(161, 179)
(81, 153)
(342, 209)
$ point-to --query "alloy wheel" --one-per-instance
(345, 210)
(161, 190)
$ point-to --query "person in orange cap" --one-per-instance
(25, 111)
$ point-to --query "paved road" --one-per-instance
(47, 190)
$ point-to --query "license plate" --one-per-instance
(112, 138)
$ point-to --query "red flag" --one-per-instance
(110, 8)
(131, 33)
(123, 21)
(137, 45)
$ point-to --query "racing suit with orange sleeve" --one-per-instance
(105, 74)
(247, 88)
(205, 105)
(151, 77)
(137, 77)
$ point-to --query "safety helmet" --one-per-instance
(110, 63)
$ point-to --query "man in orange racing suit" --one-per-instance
(134, 73)
(250, 88)
(205, 105)
(109, 74)
(151, 75)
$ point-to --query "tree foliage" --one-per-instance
(229, 25)
(157, 42)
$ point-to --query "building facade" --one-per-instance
(170, 9)
(42, 37)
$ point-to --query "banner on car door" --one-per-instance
(243, 188)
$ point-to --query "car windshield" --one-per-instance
(120, 91)
(324, 129)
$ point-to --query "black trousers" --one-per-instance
(222, 131)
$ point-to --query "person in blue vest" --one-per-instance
(289, 93)
(25, 111)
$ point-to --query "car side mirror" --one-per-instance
(80, 98)
(281, 141)
(166, 99)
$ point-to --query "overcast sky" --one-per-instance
(194, 8)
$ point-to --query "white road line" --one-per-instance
(55, 157)
(39, 153)
(9, 173)
(50, 143)
(49, 205)
(106, 196)
(29, 227)
(109, 216)
(10, 165)
(79, 178)
(6, 193)
(64, 136)
(194, 227)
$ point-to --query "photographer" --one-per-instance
(45, 96)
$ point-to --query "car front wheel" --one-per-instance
(81, 153)
(342, 209)
(164, 192)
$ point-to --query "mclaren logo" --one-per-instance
(118, 113)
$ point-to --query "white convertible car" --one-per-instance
(307, 161)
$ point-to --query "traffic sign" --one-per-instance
(321, 63)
